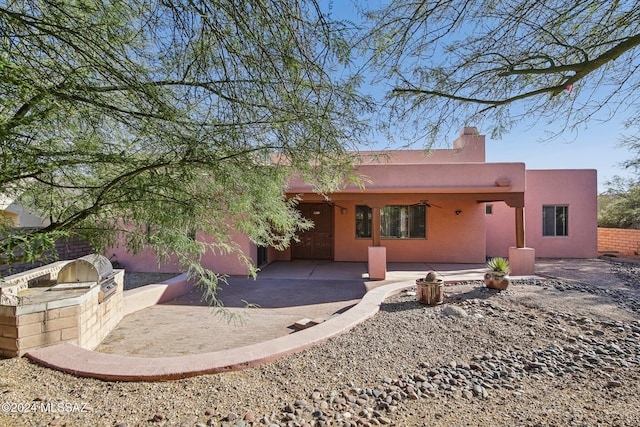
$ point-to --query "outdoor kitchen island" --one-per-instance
(77, 301)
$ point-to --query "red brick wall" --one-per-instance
(72, 249)
(620, 240)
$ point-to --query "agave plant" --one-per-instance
(499, 265)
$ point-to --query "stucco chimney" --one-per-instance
(471, 141)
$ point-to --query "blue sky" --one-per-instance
(595, 146)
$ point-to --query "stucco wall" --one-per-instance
(579, 190)
(624, 241)
(429, 179)
(468, 147)
(222, 263)
(574, 188)
(450, 237)
(22, 217)
(501, 229)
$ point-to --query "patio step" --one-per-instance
(307, 323)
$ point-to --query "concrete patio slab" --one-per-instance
(81, 362)
(187, 324)
(182, 337)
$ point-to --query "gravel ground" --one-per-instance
(552, 353)
(134, 280)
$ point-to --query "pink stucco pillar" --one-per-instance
(375, 225)
(522, 261)
(377, 263)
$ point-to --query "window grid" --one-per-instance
(363, 222)
(396, 222)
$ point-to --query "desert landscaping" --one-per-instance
(542, 353)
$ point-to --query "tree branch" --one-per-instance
(581, 69)
(480, 101)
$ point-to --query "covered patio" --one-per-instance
(396, 271)
(415, 207)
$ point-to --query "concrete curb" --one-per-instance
(145, 296)
(78, 361)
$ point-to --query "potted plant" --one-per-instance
(430, 289)
(498, 275)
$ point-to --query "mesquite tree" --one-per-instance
(452, 63)
(149, 120)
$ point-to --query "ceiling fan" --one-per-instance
(427, 204)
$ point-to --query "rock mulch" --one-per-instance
(542, 353)
(134, 280)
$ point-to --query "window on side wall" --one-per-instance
(555, 220)
(396, 222)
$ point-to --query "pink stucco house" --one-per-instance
(447, 206)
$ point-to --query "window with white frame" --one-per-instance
(555, 220)
(396, 222)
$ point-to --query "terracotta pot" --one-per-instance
(496, 280)
(430, 293)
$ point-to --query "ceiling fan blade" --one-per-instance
(426, 203)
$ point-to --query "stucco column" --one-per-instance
(522, 261)
(375, 225)
(377, 263)
(377, 254)
(520, 243)
(521, 258)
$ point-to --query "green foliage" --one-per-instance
(619, 206)
(22, 246)
(144, 121)
(498, 264)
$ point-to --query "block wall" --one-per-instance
(8, 334)
(22, 333)
(67, 249)
(96, 320)
(73, 248)
(624, 241)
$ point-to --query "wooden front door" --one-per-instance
(316, 243)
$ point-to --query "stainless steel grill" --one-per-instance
(88, 271)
